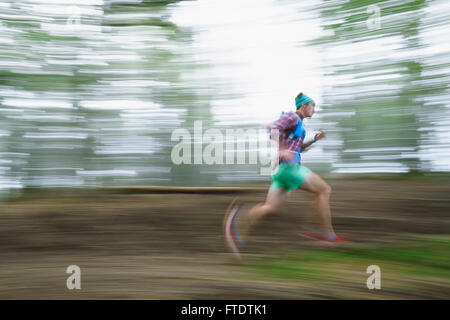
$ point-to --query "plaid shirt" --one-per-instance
(286, 125)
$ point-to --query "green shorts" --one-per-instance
(288, 176)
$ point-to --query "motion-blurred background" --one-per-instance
(91, 91)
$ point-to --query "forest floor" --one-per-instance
(168, 244)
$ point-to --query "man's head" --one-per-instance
(305, 105)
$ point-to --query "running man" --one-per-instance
(288, 175)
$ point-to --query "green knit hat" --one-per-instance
(302, 99)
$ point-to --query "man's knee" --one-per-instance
(325, 189)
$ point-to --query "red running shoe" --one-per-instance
(311, 234)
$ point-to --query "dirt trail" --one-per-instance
(168, 245)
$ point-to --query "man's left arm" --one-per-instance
(317, 137)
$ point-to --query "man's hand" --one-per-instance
(319, 135)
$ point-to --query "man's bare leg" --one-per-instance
(315, 184)
(272, 206)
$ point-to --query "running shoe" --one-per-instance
(233, 242)
(311, 234)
